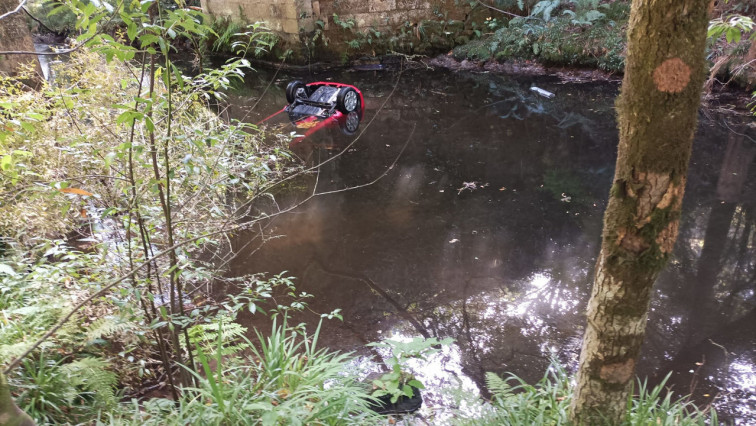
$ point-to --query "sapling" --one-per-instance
(399, 382)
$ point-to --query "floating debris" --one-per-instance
(544, 93)
(472, 186)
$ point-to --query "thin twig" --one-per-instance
(19, 7)
(37, 20)
(60, 52)
(13, 364)
(504, 11)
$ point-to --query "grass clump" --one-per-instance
(515, 402)
(284, 379)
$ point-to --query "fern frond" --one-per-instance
(91, 375)
(497, 386)
(206, 337)
(12, 351)
(108, 326)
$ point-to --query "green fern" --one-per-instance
(108, 326)
(221, 333)
(91, 376)
(13, 351)
(227, 29)
(498, 387)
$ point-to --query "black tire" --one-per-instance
(294, 90)
(348, 100)
(351, 123)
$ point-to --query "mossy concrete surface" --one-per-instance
(337, 30)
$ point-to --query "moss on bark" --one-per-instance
(657, 114)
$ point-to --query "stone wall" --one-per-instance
(324, 28)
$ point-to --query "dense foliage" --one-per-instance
(582, 33)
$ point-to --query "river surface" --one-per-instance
(468, 206)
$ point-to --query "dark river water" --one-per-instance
(470, 207)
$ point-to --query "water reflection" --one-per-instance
(487, 227)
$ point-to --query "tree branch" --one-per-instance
(37, 20)
(19, 7)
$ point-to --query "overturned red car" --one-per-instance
(322, 104)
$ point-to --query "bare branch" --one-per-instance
(13, 364)
(37, 20)
(19, 7)
(61, 52)
(501, 11)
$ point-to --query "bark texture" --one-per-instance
(15, 35)
(657, 114)
(10, 414)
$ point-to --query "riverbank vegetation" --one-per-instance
(583, 33)
(120, 189)
(591, 34)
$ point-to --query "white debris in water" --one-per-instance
(544, 93)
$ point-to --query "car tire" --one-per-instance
(295, 89)
(351, 123)
(348, 100)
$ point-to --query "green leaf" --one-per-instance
(149, 124)
(27, 126)
(7, 162)
(407, 391)
(6, 269)
(416, 384)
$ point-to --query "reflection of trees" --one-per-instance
(717, 270)
(397, 233)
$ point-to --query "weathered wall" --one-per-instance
(339, 28)
(281, 16)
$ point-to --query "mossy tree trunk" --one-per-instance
(10, 414)
(657, 113)
(15, 35)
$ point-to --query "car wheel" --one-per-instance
(295, 90)
(348, 100)
(351, 123)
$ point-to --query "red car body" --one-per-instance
(323, 104)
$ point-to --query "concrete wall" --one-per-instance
(281, 16)
(402, 25)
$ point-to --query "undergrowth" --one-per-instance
(515, 402)
(284, 379)
(587, 37)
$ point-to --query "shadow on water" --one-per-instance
(487, 228)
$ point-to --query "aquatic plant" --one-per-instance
(399, 382)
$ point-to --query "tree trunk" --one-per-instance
(15, 35)
(657, 114)
(10, 414)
